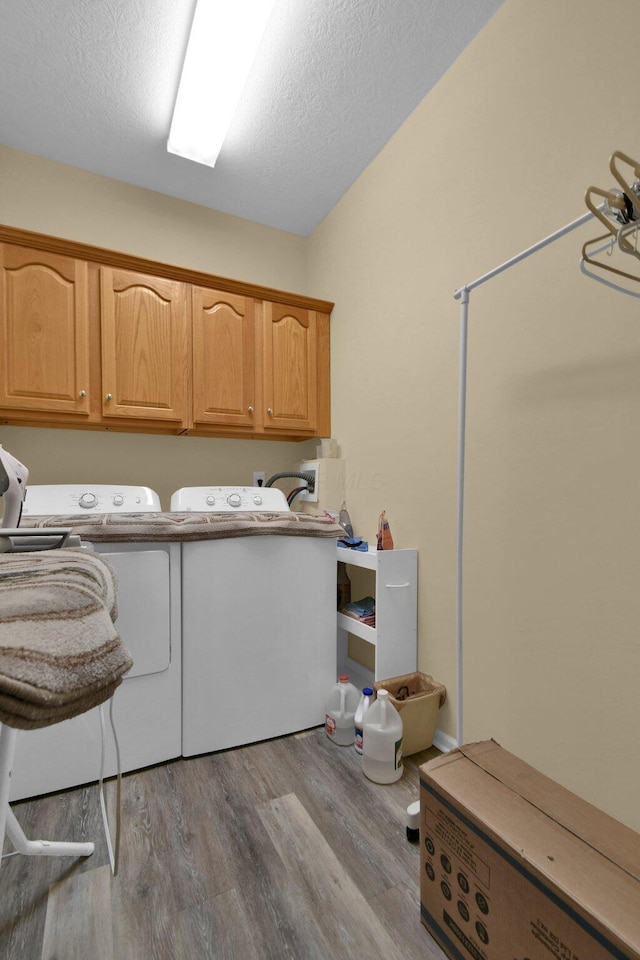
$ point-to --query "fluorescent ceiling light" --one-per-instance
(225, 36)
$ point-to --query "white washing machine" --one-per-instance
(258, 626)
(147, 704)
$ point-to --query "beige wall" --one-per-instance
(497, 157)
(53, 198)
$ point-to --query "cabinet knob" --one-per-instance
(270, 411)
(250, 410)
(108, 396)
(82, 394)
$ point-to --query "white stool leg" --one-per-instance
(8, 822)
(43, 848)
(7, 749)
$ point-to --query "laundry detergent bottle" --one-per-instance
(366, 700)
(382, 741)
(342, 702)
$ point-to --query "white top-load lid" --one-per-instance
(229, 500)
(86, 498)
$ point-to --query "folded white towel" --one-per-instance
(60, 653)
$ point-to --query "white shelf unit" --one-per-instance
(395, 635)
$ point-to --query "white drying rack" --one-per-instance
(462, 294)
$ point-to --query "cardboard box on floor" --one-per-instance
(515, 867)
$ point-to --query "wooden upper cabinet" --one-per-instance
(144, 324)
(224, 363)
(44, 330)
(98, 339)
(290, 341)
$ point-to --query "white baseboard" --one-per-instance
(444, 742)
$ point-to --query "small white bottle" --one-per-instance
(382, 741)
(340, 712)
(366, 700)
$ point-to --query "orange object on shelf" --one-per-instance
(385, 540)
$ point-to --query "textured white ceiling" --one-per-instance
(92, 83)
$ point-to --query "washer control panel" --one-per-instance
(77, 498)
(229, 500)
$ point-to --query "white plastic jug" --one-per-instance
(341, 707)
(366, 700)
(382, 741)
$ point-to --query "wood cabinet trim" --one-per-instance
(114, 258)
(323, 355)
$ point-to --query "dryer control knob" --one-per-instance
(211, 501)
(118, 500)
(257, 500)
(234, 500)
(88, 500)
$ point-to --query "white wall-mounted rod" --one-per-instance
(568, 228)
(462, 430)
(462, 294)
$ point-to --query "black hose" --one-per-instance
(307, 475)
(294, 493)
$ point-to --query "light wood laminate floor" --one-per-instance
(281, 850)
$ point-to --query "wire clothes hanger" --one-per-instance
(620, 214)
(588, 257)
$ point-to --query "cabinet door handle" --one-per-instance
(108, 396)
(250, 410)
(270, 411)
(396, 586)
(82, 394)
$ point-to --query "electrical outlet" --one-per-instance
(310, 466)
(259, 478)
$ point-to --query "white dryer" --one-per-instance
(146, 706)
(258, 626)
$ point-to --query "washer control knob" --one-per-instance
(234, 500)
(118, 500)
(88, 500)
(257, 500)
(211, 500)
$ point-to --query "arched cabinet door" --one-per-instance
(224, 362)
(144, 328)
(290, 368)
(44, 330)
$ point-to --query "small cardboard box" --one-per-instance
(417, 697)
(515, 867)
